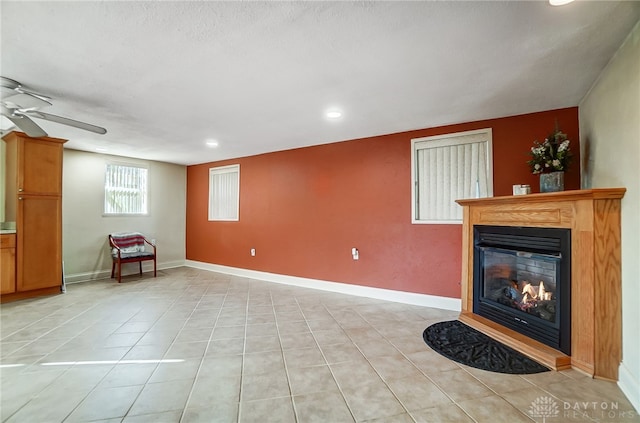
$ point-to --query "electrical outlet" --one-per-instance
(253, 252)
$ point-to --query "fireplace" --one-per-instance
(592, 218)
(522, 280)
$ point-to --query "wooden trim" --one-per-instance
(533, 349)
(549, 197)
(30, 294)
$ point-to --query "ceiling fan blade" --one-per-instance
(25, 101)
(65, 121)
(36, 95)
(24, 123)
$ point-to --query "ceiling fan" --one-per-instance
(20, 105)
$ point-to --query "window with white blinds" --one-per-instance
(125, 190)
(224, 193)
(446, 168)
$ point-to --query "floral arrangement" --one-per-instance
(551, 155)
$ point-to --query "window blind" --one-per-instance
(224, 193)
(449, 168)
(125, 190)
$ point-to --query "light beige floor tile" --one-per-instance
(297, 341)
(326, 337)
(499, 382)
(215, 412)
(160, 397)
(264, 385)
(353, 374)
(134, 327)
(417, 392)
(226, 332)
(307, 380)
(400, 418)
(303, 357)
(393, 366)
(253, 319)
(262, 329)
(263, 362)
(522, 399)
(339, 353)
(376, 348)
(227, 366)
(166, 372)
(322, 407)
(324, 322)
(262, 343)
(128, 375)
(431, 362)
(50, 405)
(494, 409)
(186, 350)
(127, 339)
(275, 410)
(105, 403)
(289, 316)
(371, 401)
(162, 417)
(210, 390)
(147, 352)
(222, 347)
(292, 327)
(194, 334)
(450, 413)
(409, 344)
(460, 385)
(157, 337)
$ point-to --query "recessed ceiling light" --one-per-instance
(102, 149)
(559, 2)
(212, 143)
(334, 114)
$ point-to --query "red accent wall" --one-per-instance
(304, 209)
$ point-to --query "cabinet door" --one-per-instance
(39, 256)
(7, 264)
(40, 167)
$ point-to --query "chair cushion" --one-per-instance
(137, 254)
(128, 242)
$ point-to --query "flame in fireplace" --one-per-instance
(532, 293)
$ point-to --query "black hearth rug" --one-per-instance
(463, 344)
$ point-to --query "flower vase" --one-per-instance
(552, 182)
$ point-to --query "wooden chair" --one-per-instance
(129, 247)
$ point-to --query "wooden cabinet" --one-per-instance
(7, 263)
(39, 255)
(36, 193)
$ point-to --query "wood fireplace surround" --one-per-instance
(593, 216)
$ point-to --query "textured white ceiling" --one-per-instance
(163, 77)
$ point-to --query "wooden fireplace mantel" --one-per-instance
(596, 317)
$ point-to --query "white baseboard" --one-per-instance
(629, 385)
(425, 300)
(106, 273)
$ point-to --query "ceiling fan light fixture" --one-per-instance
(559, 2)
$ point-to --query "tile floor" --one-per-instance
(198, 346)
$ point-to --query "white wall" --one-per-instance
(610, 140)
(85, 229)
